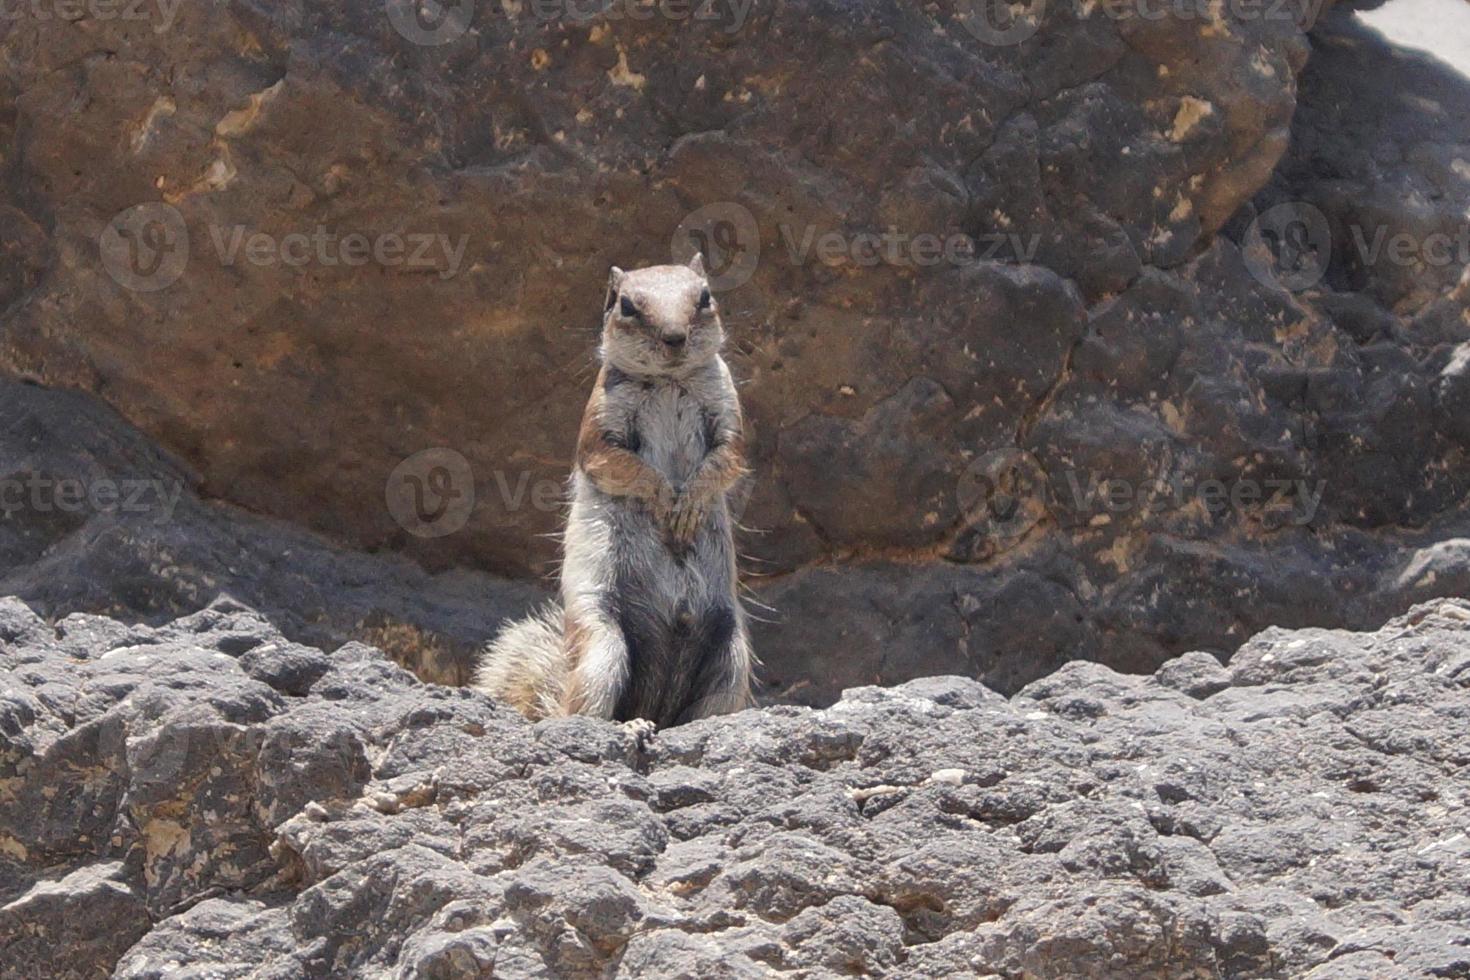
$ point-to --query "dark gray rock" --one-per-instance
(174, 555)
(245, 937)
(1297, 811)
(1195, 673)
(74, 926)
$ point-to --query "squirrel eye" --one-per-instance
(705, 299)
(626, 307)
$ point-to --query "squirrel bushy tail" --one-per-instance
(526, 665)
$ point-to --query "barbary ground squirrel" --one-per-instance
(650, 624)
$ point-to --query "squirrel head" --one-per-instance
(662, 320)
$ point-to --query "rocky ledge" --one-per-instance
(207, 798)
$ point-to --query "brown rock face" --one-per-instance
(385, 246)
(299, 245)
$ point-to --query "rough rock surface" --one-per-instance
(95, 518)
(231, 804)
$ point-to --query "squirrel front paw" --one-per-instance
(687, 514)
(662, 503)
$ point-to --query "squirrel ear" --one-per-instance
(614, 280)
(697, 264)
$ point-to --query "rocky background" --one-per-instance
(298, 306)
(209, 799)
(297, 246)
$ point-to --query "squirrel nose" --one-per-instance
(675, 339)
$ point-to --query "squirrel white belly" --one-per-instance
(649, 625)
